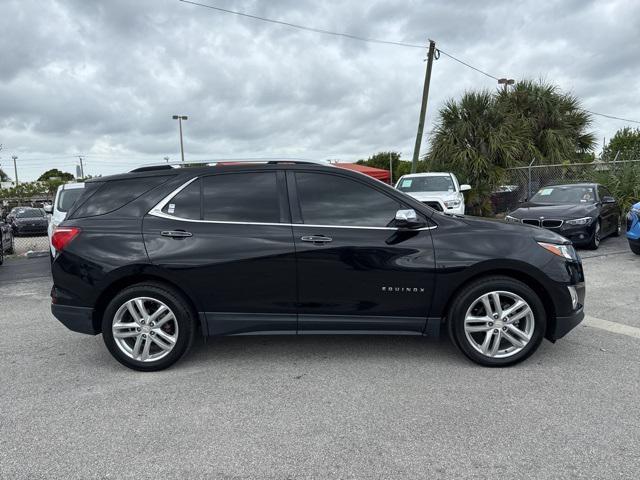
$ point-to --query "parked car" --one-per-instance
(66, 196)
(28, 221)
(151, 257)
(6, 240)
(439, 190)
(633, 228)
(585, 213)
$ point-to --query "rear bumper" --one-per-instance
(78, 319)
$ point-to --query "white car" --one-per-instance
(66, 196)
(439, 190)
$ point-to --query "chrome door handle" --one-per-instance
(176, 234)
(316, 239)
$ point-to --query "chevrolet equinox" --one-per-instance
(153, 257)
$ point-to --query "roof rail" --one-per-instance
(229, 161)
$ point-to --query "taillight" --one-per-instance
(62, 236)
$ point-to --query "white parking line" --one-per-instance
(613, 327)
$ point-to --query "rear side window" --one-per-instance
(115, 194)
(241, 197)
(186, 204)
(335, 200)
(67, 198)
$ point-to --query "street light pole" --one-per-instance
(15, 168)
(180, 118)
(506, 82)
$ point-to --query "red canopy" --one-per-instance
(380, 174)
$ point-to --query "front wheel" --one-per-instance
(497, 321)
(148, 327)
(594, 243)
(635, 247)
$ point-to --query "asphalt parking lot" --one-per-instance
(322, 407)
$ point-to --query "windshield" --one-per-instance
(566, 194)
(30, 213)
(67, 198)
(440, 183)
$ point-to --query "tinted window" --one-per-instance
(334, 200)
(241, 197)
(567, 194)
(436, 183)
(67, 198)
(30, 213)
(114, 194)
(186, 204)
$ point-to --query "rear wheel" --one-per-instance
(616, 232)
(12, 247)
(497, 321)
(635, 248)
(148, 327)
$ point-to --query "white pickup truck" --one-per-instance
(439, 190)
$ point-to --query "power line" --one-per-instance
(309, 29)
(374, 40)
(612, 117)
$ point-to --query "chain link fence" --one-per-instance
(29, 234)
(622, 177)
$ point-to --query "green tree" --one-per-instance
(477, 141)
(385, 159)
(3, 176)
(484, 133)
(54, 173)
(626, 141)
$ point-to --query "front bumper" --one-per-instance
(564, 325)
(578, 234)
(30, 229)
(78, 319)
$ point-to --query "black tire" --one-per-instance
(184, 315)
(12, 247)
(470, 293)
(594, 242)
(616, 232)
(1, 251)
(635, 248)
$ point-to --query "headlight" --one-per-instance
(579, 221)
(452, 203)
(566, 251)
(511, 219)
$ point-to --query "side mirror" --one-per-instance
(48, 208)
(465, 187)
(608, 200)
(407, 219)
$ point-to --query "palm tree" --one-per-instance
(478, 142)
(556, 121)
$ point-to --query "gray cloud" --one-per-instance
(104, 78)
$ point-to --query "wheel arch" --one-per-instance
(123, 282)
(524, 277)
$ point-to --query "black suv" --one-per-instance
(151, 257)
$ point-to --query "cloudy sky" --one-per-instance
(103, 78)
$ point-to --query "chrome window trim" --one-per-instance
(157, 212)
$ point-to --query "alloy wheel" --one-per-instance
(596, 235)
(145, 329)
(499, 324)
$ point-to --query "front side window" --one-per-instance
(241, 197)
(335, 200)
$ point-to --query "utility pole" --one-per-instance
(390, 169)
(423, 108)
(15, 168)
(506, 82)
(180, 118)
(81, 167)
